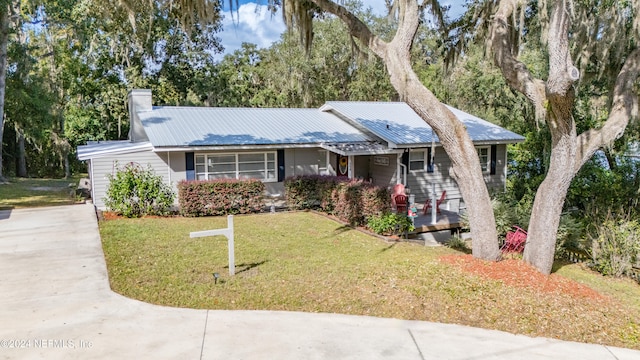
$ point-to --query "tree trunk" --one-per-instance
(4, 39)
(547, 206)
(67, 167)
(21, 170)
(465, 164)
(453, 136)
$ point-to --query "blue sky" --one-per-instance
(254, 24)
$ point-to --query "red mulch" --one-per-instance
(517, 273)
(109, 215)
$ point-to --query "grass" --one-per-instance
(306, 262)
(25, 193)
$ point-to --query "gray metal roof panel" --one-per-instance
(97, 149)
(195, 126)
(398, 123)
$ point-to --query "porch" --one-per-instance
(446, 220)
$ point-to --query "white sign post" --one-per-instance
(434, 204)
(228, 233)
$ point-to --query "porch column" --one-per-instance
(351, 167)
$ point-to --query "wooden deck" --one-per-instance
(446, 220)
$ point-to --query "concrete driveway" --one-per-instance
(56, 303)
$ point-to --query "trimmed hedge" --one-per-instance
(352, 201)
(220, 197)
(310, 191)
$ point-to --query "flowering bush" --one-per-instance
(134, 191)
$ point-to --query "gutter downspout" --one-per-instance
(402, 178)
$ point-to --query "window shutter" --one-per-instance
(280, 156)
(405, 158)
(429, 161)
(493, 159)
(190, 166)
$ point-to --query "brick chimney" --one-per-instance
(139, 100)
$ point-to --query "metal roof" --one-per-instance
(202, 126)
(397, 123)
(96, 149)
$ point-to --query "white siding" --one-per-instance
(101, 167)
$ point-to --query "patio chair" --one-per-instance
(515, 240)
(401, 203)
(427, 204)
(398, 189)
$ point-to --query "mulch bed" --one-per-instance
(517, 273)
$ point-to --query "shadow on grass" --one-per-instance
(342, 229)
(246, 267)
(388, 247)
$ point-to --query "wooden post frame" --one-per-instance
(228, 233)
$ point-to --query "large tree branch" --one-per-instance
(515, 72)
(562, 73)
(357, 28)
(624, 108)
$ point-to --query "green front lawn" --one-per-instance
(24, 193)
(306, 262)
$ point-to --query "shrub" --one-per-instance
(375, 200)
(220, 197)
(616, 245)
(458, 243)
(311, 191)
(390, 224)
(346, 199)
(134, 191)
(352, 201)
(570, 236)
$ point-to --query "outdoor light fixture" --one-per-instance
(215, 278)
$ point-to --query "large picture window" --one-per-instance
(261, 166)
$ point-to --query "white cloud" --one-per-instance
(252, 23)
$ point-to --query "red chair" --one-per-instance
(515, 241)
(427, 204)
(401, 203)
(398, 189)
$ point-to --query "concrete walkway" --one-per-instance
(55, 303)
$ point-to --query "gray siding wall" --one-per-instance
(304, 161)
(499, 180)
(421, 182)
(362, 167)
(101, 167)
(312, 161)
(178, 167)
(384, 175)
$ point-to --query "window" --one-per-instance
(261, 166)
(484, 153)
(419, 159)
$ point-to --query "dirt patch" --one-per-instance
(517, 273)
